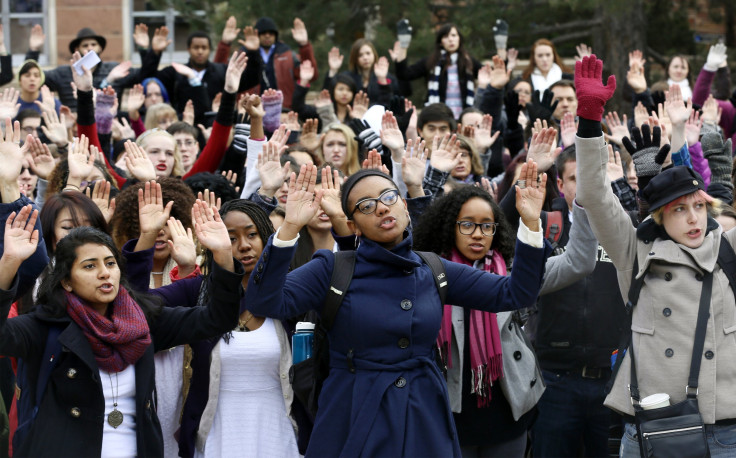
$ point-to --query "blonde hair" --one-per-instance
(713, 205)
(476, 166)
(143, 139)
(157, 112)
(351, 164)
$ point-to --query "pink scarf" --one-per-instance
(486, 359)
(117, 341)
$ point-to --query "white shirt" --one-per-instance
(120, 386)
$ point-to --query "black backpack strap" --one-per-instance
(727, 261)
(342, 274)
(438, 272)
(623, 345)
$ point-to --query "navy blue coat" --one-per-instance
(395, 401)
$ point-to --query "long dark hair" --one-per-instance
(80, 207)
(436, 228)
(51, 291)
(464, 61)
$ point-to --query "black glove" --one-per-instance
(543, 109)
(648, 157)
(512, 107)
(403, 32)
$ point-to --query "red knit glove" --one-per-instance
(592, 94)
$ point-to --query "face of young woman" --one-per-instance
(245, 239)
(65, 223)
(544, 58)
(451, 41)
(387, 223)
(153, 94)
(343, 94)
(474, 246)
(30, 81)
(677, 70)
(95, 276)
(685, 221)
(462, 169)
(335, 148)
(366, 58)
(161, 150)
(524, 90)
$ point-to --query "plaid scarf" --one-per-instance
(433, 86)
(486, 358)
(117, 341)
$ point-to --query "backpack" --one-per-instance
(727, 261)
(27, 403)
(307, 376)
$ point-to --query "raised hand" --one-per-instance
(137, 162)
(309, 137)
(489, 187)
(299, 32)
(212, 234)
(445, 155)
(230, 32)
(397, 53)
(181, 244)
(373, 161)
(391, 136)
(152, 214)
(568, 129)
(250, 39)
(47, 102)
(641, 115)
(210, 198)
(39, 158)
(541, 109)
(360, 105)
(636, 58)
(11, 155)
(119, 71)
(592, 94)
(37, 38)
(692, 128)
(101, 197)
(235, 69)
(484, 76)
(331, 203)
(499, 75)
(583, 51)
(711, 111)
(716, 57)
(614, 169)
(306, 73)
(136, 98)
(140, 36)
(254, 107)
(83, 82)
(543, 149)
(482, 135)
(530, 191)
(636, 79)
(81, 162)
(323, 99)
(302, 202)
(184, 70)
(648, 157)
(381, 70)
(618, 129)
(292, 121)
(54, 128)
(334, 60)
(21, 239)
(272, 173)
(512, 58)
(160, 40)
(414, 166)
(279, 138)
(9, 105)
(187, 115)
(677, 111)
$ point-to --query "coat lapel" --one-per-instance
(74, 339)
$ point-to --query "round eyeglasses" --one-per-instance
(468, 228)
(369, 204)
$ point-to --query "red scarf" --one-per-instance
(486, 360)
(117, 341)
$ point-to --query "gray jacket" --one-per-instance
(663, 322)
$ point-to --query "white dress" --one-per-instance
(251, 416)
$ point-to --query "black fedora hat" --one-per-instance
(84, 34)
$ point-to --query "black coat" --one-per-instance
(72, 413)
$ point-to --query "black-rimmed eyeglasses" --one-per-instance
(369, 204)
(468, 227)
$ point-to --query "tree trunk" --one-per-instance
(623, 29)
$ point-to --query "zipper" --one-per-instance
(671, 431)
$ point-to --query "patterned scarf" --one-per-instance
(117, 341)
(486, 360)
(433, 86)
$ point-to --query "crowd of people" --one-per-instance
(154, 219)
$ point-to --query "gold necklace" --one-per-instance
(242, 323)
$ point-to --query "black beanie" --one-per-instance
(266, 24)
(352, 181)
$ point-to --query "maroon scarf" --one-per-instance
(486, 360)
(117, 341)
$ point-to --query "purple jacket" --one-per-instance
(700, 163)
(701, 92)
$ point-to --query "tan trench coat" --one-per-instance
(663, 323)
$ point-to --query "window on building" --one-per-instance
(18, 17)
(179, 28)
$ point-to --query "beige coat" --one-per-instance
(664, 320)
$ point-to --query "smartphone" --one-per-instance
(89, 60)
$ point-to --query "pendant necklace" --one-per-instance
(114, 418)
(242, 323)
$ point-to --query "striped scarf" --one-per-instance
(486, 358)
(116, 341)
(433, 86)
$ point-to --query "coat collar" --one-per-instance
(400, 256)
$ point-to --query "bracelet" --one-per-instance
(72, 186)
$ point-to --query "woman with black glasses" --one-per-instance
(385, 394)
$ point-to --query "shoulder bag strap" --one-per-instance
(342, 274)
